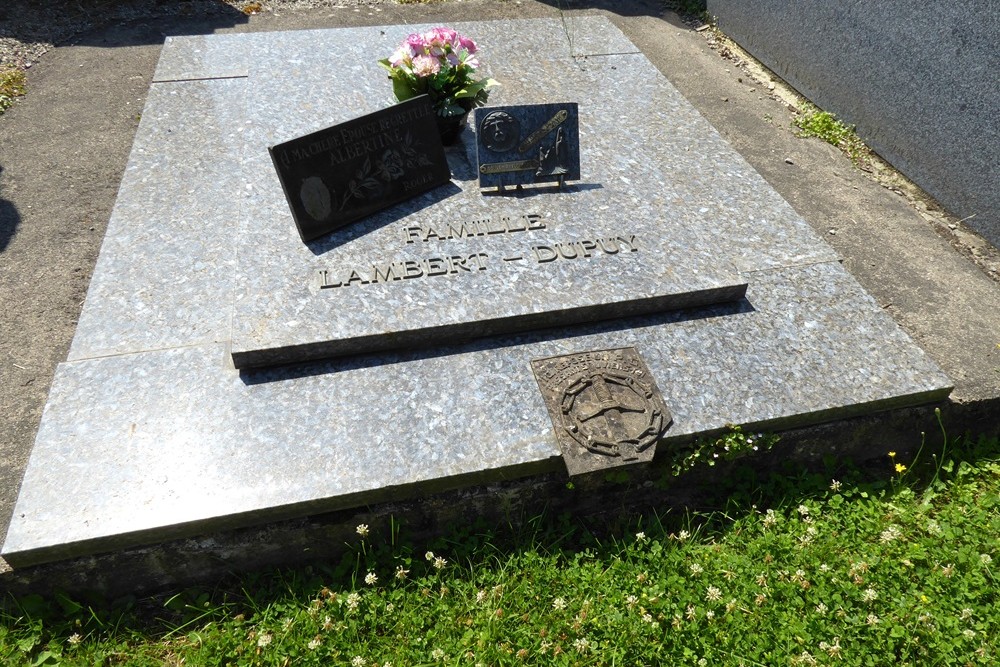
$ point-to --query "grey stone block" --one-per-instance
(919, 82)
(148, 446)
(168, 256)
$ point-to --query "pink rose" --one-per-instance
(442, 36)
(416, 43)
(467, 44)
(401, 56)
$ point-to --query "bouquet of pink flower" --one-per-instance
(442, 64)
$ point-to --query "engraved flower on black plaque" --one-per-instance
(390, 167)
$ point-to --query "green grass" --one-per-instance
(814, 122)
(11, 86)
(693, 7)
(893, 567)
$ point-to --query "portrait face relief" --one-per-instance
(500, 131)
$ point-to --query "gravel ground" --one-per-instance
(29, 28)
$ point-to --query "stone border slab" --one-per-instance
(150, 446)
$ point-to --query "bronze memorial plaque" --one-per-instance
(605, 407)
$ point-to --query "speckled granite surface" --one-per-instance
(150, 433)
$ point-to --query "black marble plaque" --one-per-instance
(349, 171)
(527, 144)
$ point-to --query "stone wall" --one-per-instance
(920, 80)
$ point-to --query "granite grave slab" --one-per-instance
(150, 433)
(417, 272)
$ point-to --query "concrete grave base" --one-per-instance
(151, 433)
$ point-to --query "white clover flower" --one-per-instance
(806, 658)
(327, 624)
(835, 486)
(353, 600)
(559, 604)
(985, 559)
(480, 596)
(401, 573)
(872, 619)
(969, 633)
(648, 618)
(948, 570)
(437, 654)
(770, 519)
(803, 510)
(371, 578)
(314, 643)
(934, 528)
(966, 614)
(263, 639)
(358, 661)
(691, 613)
(640, 537)
(824, 567)
(869, 595)
(389, 606)
(821, 609)
(683, 535)
(429, 555)
(702, 662)
(362, 530)
(581, 644)
(631, 600)
(709, 615)
(713, 594)
(696, 569)
(890, 534)
(74, 639)
(439, 562)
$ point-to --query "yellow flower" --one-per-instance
(900, 467)
(892, 455)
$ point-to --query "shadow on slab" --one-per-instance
(253, 376)
(109, 24)
(634, 8)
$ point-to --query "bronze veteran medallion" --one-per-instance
(605, 407)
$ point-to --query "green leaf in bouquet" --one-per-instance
(474, 88)
(402, 89)
(449, 110)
